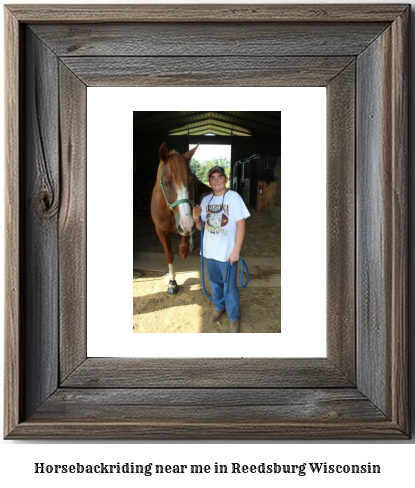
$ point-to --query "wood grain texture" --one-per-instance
(206, 373)
(177, 422)
(181, 39)
(13, 384)
(205, 13)
(40, 206)
(382, 223)
(165, 430)
(341, 237)
(400, 232)
(194, 399)
(72, 222)
(199, 71)
(374, 223)
(211, 405)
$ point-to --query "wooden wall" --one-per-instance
(268, 194)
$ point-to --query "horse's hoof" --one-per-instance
(172, 288)
(183, 252)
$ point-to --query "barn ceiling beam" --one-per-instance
(199, 121)
(257, 122)
(217, 139)
(206, 128)
(215, 121)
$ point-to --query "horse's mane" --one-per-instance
(177, 168)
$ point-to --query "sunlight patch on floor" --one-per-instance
(170, 320)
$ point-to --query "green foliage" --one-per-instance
(201, 170)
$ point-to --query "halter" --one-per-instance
(177, 202)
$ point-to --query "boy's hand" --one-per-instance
(197, 212)
(234, 257)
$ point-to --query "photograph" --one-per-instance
(358, 388)
(220, 171)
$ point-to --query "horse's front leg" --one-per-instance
(165, 240)
(184, 247)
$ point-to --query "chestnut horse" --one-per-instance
(176, 189)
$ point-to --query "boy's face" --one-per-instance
(217, 182)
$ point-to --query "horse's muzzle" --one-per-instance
(183, 233)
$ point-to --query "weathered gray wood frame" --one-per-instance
(359, 52)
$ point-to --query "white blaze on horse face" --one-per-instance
(185, 212)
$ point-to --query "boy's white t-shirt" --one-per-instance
(220, 230)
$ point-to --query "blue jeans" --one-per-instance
(216, 271)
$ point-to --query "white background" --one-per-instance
(396, 458)
(303, 268)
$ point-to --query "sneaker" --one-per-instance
(216, 315)
(234, 326)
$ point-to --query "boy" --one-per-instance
(223, 215)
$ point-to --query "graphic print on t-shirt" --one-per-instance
(217, 218)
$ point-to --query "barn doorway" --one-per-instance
(209, 155)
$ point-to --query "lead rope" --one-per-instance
(244, 267)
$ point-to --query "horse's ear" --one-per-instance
(164, 152)
(188, 156)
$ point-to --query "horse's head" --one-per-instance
(178, 185)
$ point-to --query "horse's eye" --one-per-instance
(166, 183)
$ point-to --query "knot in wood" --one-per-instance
(46, 205)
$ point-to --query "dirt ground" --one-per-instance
(189, 311)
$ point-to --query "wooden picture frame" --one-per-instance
(359, 391)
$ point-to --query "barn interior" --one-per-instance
(254, 137)
(255, 140)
